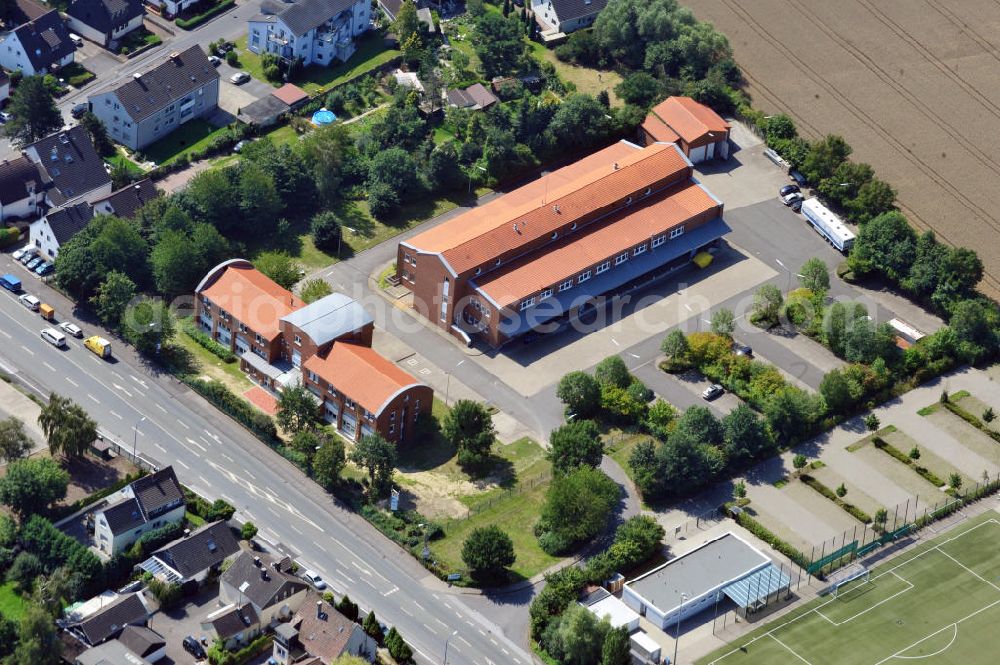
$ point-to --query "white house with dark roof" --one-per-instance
(108, 622)
(22, 188)
(318, 631)
(193, 557)
(317, 32)
(38, 46)
(71, 169)
(148, 503)
(149, 106)
(144, 642)
(125, 202)
(105, 21)
(558, 18)
(58, 226)
(266, 584)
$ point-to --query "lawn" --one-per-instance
(590, 81)
(193, 135)
(205, 363)
(937, 602)
(119, 159)
(11, 604)
(619, 446)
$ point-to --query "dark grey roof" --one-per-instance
(158, 492)
(111, 653)
(304, 15)
(264, 110)
(180, 74)
(105, 15)
(141, 641)
(207, 547)
(125, 203)
(236, 620)
(107, 623)
(391, 7)
(329, 317)
(67, 222)
(124, 516)
(69, 160)
(26, 10)
(474, 95)
(15, 177)
(45, 40)
(570, 9)
(265, 585)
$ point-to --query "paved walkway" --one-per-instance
(15, 403)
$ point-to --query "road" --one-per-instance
(217, 457)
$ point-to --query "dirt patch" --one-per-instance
(87, 474)
(912, 91)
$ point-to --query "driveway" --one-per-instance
(174, 625)
(233, 97)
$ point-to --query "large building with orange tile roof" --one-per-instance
(325, 345)
(537, 255)
(699, 131)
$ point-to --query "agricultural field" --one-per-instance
(912, 91)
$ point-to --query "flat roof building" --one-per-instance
(726, 566)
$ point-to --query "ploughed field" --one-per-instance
(911, 84)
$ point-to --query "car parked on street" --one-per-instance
(18, 253)
(788, 189)
(713, 391)
(79, 110)
(215, 60)
(71, 329)
(28, 255)
(314, 578)
(239, 78)
(44, 268)
(744, 350)
(54, 337)
(192, 646)
(34, 263)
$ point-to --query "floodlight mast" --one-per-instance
(677, 630)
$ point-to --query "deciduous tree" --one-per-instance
(488, 552)
(328, 462)
(112, 298)
(378, 457)
(279, 266)
(575, 444)
(15, 442)
(68, 428)
(32, 485)
(815, 276)
(297, 409)
(580, 392)
(612, 372)
(148, 324)
(469, 427)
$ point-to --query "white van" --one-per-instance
(76, 39)
(30, 301)
(54, 337)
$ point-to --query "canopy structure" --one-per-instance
(751, 591)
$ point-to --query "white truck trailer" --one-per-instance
(828, 224)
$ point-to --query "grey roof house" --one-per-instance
(71, 168)
(475, 97)
(108, 622)
(125, 202)
(38, 46)
(193, 557)
(319, 631)
(58, 226)
(267, 584)
(317, 32)
(144, 642)
(235, 625)
(148, 503)
(105, 21)
(111, 653)
(151, 105)
(22, 188)
(558, 18)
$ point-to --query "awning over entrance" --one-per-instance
(261, 365)
(751, 591)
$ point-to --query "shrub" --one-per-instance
(216, 392)
(191, 330)
(167, 594)
(248, 531)
(195, 21)
(8, 236)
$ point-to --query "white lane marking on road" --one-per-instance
(5, 334)
(161, 408)
(181, 462)
(93, 398)
(115, 415)
(117, 375)
(419, 606)
(51, 368)
(183, 424)
(72, 382)
(121, 388)
(196, 444)
(480, 630)
(271, 508)
(463, 641)
(27, 349)
(441, 622)
(494, 642)
(436, 597)
(363, 570)
(296, 529)
(406, 611)
(161, 448)
(391, 591)
(428, 628)
(228, 457)
(447, 604)
(369, 584)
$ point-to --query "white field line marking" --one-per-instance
(940, 630)
(954, 637)
(791, 651)
(968, 570)
(909, 587)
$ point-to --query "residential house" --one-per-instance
(236, 625)
(105, 21)
(144, 642)
(531, 260)
(475, 97)
(22, 189)
(699, 131)
(558, 18)
(266, 584)
(108, 622)
(319, 631)
(58, 226)
(190, 560)
(125, 202)
(39, 46)
(111, 653)
(148, 503)
(315, 32)
(71, 169)
(149, 106)
(171, 8)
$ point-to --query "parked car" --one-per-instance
(713, 391)
(44, 268)
(30, 301)
(314, 578)
(29, 254)
(796, 205)
(239, 78)
(71, 329)
(4, 116)
(238, 148)
(76, 39)
(54, 337)
(789, 199)
(192, 646)
(215, 60)
(226, 47)
(33, 263)
(18, 253)
(79, 110)
(788, 189)
(744, 350)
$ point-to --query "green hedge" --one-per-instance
(925, 473)
(971, 419)
(216, 392)
(260, 644)
(206, 342)
(8, 236)
(195, 21)
(756, 528)
(854, 511)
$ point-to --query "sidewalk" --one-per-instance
(15, 403)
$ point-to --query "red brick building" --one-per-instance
(325, 345)
(699, 131)
(538, 254)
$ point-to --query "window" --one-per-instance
(584, 276)
(674, 233)
(547, 293)
(621, 258)
(526, 303)
(603, 267)
(298, 340)
(566, 286)
(641, 249)
(659, 240)
(313, 377)
(258, 339)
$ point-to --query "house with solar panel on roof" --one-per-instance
(315, 32)
(151, 105)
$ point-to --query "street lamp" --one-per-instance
(677, 631)
(470, 176)
(135, 435)
(447, 388)
(453, 634)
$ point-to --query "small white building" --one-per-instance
(56, 228)
(22, 188)
(316, 32)
(37, 47)
(603, 605)
(105, 21)
(558, 18)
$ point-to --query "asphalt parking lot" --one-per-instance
(233, 97)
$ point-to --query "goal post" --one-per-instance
(847, 577)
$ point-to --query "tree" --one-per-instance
(23, 571)
(469, 427)
(279, 266)
(148, 324)
(98, 134)
(955, 481)
(499, 43)
(383, 200)
(314, 289)
(880, 517)
(297, 408)
(640, 89)
(248, 531)
(32, 485)
(14, 440)
(790, 411)
(836, 391)
(824, 157)
(67, 427)
(914, 453)
(260, 203)
(348, 608)
(873, 198)
(378, 456)
(576, 636)
(841, 490)
(872, 422)
(394, 642)
(488, 552)
(700, 425)
(372, 626)
(38, 641)
(106, 244)
(685, 464)
(815, 276)
(675, 344)
(326, 150)
(745, 436)
(113, 296)
(660, 417)
(988, 415)
(33, 112)
(767, 303)
(328, 462)
(215, 197)
(612, 372)
(579, 122)
(577, 507)
(799, 461)
(887, 245)
(395, 168)
(739, 490)
(645, 469)
(845, 182)
(580, 392)
(406, 24)
(616, 648)
(724, 322)
(575, 444)
(181, 257)
(326, 230)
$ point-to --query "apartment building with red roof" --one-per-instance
(699, 131)
(325, 346)
(539, 254)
